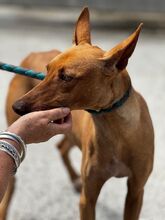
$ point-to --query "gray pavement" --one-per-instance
(43, 188)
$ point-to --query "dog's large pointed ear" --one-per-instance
(119, 55)
(82, 29)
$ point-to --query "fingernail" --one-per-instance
(66, 110)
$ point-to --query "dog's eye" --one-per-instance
(63, 76)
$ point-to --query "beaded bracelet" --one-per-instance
(7, 137)
(11, 151)
(17, 139)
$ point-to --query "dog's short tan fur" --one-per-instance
(115, 144)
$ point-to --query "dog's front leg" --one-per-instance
(92, 184)
(88, 199)
(133, 201)
(141, 169)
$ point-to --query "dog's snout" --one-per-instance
(21, 107)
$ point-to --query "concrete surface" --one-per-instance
(58, 15)
(43, 188)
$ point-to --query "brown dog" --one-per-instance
(116, 137)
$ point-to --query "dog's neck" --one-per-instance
(119, 91)
(120, 113)
(115, 105)
(108, 126)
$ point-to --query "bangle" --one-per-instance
(12, 152)
(17, 139)
(4, 136)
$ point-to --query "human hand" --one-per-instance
(40, 126)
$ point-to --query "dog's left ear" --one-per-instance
(82, 29)
(119, 55)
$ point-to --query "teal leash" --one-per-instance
(22, 71)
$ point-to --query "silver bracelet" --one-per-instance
(4, 136)
(19, 140)
(11, 151)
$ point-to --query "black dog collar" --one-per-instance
(116, 105)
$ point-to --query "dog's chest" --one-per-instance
(116, 168)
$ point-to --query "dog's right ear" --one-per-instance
(119, 55)
(82, 29)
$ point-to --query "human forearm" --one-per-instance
(7, 166)
(6, 171)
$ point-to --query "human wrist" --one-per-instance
(7, 164)
(17, 132)
(17, 139)
(14, 146)
(13, 143)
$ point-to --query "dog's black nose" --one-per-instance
(21, 107)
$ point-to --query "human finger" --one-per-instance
(56, 114)
(62, 127)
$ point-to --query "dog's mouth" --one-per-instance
(21, 108)
(62, 120)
